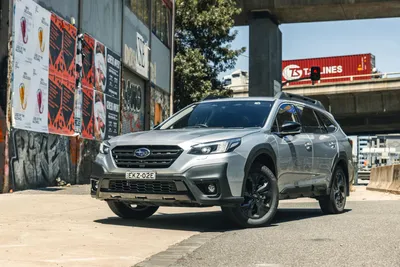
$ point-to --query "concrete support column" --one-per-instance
(265, 64)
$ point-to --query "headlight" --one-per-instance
(216, 147)
(104, 147)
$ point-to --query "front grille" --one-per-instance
(142, 187)
(160, 156)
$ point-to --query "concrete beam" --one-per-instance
(372, 124)
(295, 11)
(365, 113)
(369, 103)
(366, 86)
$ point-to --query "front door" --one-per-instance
(295, 153)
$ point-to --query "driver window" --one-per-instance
(286, 113)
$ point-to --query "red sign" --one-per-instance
(340, 66)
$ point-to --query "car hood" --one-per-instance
(180, 137)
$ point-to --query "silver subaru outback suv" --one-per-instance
(242, 154)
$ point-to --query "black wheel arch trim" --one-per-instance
(254, 153)
(342, 156)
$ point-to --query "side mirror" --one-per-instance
(331, 128)
(291, 128)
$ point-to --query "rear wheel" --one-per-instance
(261, 198)
(335, 202)
(129, 211)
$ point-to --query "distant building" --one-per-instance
(378, 150)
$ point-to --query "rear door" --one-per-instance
(294, 153)
(324, 144)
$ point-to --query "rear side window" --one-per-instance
(329, 125)
(309, 121)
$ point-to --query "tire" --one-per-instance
(259, 208)
(335, 202)
(125, 211)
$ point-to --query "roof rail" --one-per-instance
(210, 97)
(300, 98)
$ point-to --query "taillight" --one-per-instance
(351, 142)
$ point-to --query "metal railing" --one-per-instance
(372, 76)
(378, 75)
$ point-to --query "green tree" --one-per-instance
(203, 33)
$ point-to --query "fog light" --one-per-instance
(211, 188)
(95, 185)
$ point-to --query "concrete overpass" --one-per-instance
(361, 107)
(265, 16)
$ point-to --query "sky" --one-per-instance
(322, 39)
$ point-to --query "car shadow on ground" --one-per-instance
(209, 221)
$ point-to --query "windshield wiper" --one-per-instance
(200, 125)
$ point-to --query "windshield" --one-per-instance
(224, 114)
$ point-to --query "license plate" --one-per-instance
(141, 175)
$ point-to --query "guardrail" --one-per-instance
(378, 75)
(373, 76)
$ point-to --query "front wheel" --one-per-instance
(128, 211)
(261, 199)
(335, 202)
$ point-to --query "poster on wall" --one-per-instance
(24, 34)
(113, 74)
(55, 95)
(106, 116)
(62, 49)
(99, 115)
(112, 112)
(31, 63)
(69, 51)
(61, 106)
(21, 93)
(87, 113)
(62, 77)
(56, 39)
(67, 109)
(88, 62)
(100, 65)
(107, 78)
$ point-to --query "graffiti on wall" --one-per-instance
(39, 159)
(132, 104)
(89, 150)
(159, 106)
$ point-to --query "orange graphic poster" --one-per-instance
(62, 49)
(69, 51)
(62, 76)
(61, 106)
(87, 113)
(88, 62)
(56, 64)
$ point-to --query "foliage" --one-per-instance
(203, 35)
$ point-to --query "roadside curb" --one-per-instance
(394, 192)
(178, 251)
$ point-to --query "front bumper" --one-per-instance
(179, 189)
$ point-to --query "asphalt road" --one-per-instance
(66, 227)
(368, 234)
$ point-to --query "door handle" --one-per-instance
(308, 146)
(332, 144)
